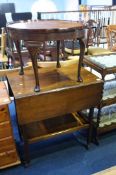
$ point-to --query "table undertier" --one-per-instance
(53, 127)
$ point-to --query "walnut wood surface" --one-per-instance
(60, 93)
(47, 25)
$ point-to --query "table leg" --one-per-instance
(33, 53)
(17, 43)
(82, 51)
(63, 50)
(26, 152)
(58, 51)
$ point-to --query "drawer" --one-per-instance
(8, 157)
(4, 114)
(5, 129)
(6, 144)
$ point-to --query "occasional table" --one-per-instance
(34, 32)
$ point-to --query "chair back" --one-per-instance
(111, 37)
(38, 15)
(21, 16)
(3, 57)
(3, 42)
(2, 21)
(7, 8)
(90, 32)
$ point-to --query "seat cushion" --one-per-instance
(3, 59)
(75, 51)
(98, 51)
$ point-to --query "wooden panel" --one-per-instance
(57, 103)
(5, 130)
(8, 157)
(6, 144)
(4, 114)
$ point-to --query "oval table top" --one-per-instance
(46, 25)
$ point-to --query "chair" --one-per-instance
(38, 15)
(72, 46)
(111, 37)
(100, 34)
(94, 40)
(21, 16)
(11, 51)
(7, 8)
(2, 21)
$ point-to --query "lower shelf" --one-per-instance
(52, 127)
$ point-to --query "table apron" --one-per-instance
(57, 103)
(36, 36)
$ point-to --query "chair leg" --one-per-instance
(26, 153)
(44, 50)
(89, 138)
(98, 121)
(58, 51)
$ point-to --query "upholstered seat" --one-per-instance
(75, 51)
(98, 51)
(72, 47)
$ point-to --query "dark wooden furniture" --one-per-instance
(11, 50)
(7, 8)
(21, 16)
(38, 113)
(2, 22)
(105, 64)
(34, 32)
(8, 153)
